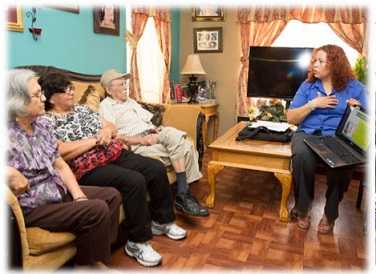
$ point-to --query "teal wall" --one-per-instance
(175, 45)
(69, 42)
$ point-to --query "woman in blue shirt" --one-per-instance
(317, 107)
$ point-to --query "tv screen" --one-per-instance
(277, 71)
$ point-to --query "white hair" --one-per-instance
(18, 95)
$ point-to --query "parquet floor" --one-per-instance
(243, 231)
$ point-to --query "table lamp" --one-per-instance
(193, 67)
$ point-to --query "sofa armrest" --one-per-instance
(187, 118)
(14, 241)
(12, 202)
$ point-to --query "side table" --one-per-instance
(210, 112)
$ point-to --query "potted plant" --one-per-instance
(360, 69)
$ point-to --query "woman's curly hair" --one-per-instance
(339, 66)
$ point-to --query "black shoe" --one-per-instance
(294, 214)
(188, 204)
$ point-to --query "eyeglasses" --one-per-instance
(124, 84)
(39, 95)
(69, 89)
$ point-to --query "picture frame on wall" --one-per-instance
(15, 19)
(208, 14)
(207, 40)
(106, 19)
(67, 8)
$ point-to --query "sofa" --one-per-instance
(42, 249)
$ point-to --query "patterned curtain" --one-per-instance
(260, 26)
(353, 34)
(305, 14)
(163, 24)
(139, 19)
(254, 34)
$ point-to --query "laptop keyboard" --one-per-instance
(339, 149)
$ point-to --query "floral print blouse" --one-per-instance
(79, 124)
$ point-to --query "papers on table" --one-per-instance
(274, 126)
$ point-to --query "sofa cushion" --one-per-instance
(42, 241)
(89, 94)
(49, 261)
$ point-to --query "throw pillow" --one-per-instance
(157, 110)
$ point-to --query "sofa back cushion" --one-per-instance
(89, 93)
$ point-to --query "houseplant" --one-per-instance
(360, 69)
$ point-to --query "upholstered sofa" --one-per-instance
(39, 248)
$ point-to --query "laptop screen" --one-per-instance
(355, 128)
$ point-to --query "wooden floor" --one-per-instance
(243, 231)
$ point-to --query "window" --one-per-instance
(150, 62)
(298, 34)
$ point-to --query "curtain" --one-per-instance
(162, 25)
(305, 14)
(139, 19)
(353, 34)
(260, 26)
(254, 34)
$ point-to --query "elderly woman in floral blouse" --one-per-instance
(45, 186)
(97, 158)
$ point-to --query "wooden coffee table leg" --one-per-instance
(213, 169)
(285, 180)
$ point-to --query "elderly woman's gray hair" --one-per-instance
(18, 96)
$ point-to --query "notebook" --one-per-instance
(350, 143)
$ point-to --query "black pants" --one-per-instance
(135, 176)
(94, 222)
(304, 162)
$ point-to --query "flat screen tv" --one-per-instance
(277, 71)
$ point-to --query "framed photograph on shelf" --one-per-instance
(15, 19)
(207, 40)
(106, 20)
(208, 14)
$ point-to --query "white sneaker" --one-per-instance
(171, 230)
(143, 252)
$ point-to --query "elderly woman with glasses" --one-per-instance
(46, 188)
(97, 158)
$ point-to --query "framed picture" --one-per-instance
(67, 8)
(106, 19)
(207, 40)
(15, 19)
(208, 14)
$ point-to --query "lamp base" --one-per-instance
(193, 86)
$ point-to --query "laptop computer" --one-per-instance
(350, 143)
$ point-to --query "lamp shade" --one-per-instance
(193, 65)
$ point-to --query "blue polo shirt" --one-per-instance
(326, 120)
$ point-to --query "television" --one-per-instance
(277, 71)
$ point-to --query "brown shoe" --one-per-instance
(304, 222)
(324, 226)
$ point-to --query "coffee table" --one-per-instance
(265, 156)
